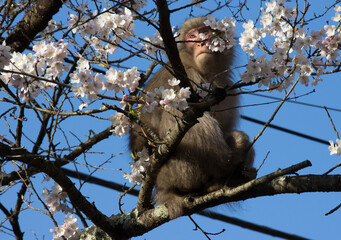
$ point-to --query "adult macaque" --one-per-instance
(212, 153)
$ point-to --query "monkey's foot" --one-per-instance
(249, 173)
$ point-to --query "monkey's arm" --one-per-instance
(151, 121)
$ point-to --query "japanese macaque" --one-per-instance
(211, 154)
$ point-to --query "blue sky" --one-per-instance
(297, 214)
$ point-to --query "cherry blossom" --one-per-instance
(204, 89)
(26, 72)
(55, 199)
(139, 166)
(335, 148)
(68, 230)
(173, 82)
(153, 45)
(120, 80)
(5, 55)
(121, 124)
(168, 98)
(288, 56)
(224, 36)
(113, 27)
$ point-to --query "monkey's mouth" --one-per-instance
(204, 53)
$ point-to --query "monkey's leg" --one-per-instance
(173, 201)
(177, 178)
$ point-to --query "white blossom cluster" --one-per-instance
(153, 45)
(55, 199)
(51, 58)
(204, 89)
(68, 230)
(112, 27)
(335, 148)
(167, 98)
(27, 72)
(51, 26)
(5, 55)
(121, 124)
(224, 37)
(290, 47)
(136, 4)
(88, 84)
(138, 167)
(120, 80)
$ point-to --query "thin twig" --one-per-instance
(273, 115)
(263, 161)
(332, 169)
(331, 120)
(48, 212)
(198, 227)
(333, 210)
(122, 195)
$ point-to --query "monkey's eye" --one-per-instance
(192, 35)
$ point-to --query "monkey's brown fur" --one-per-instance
(212, 153)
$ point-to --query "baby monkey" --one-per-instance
(211, 154)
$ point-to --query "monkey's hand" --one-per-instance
(242, 158)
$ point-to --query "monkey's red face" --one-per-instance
(196, 40)
(193, 36)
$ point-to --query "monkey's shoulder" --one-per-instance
(159, 79)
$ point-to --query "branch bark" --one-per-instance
(13, 215)
(170, 44)
(153, 218)
(33, 22)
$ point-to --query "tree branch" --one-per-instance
(170, 44)
(33, 22)
(13, 216)
(288, 184)
(242, 192)
(135, 225)
(76, 197)
(82, 147)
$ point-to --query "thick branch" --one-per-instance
(170, 44)
(287, 184)
(13, 216)
(33, 22)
